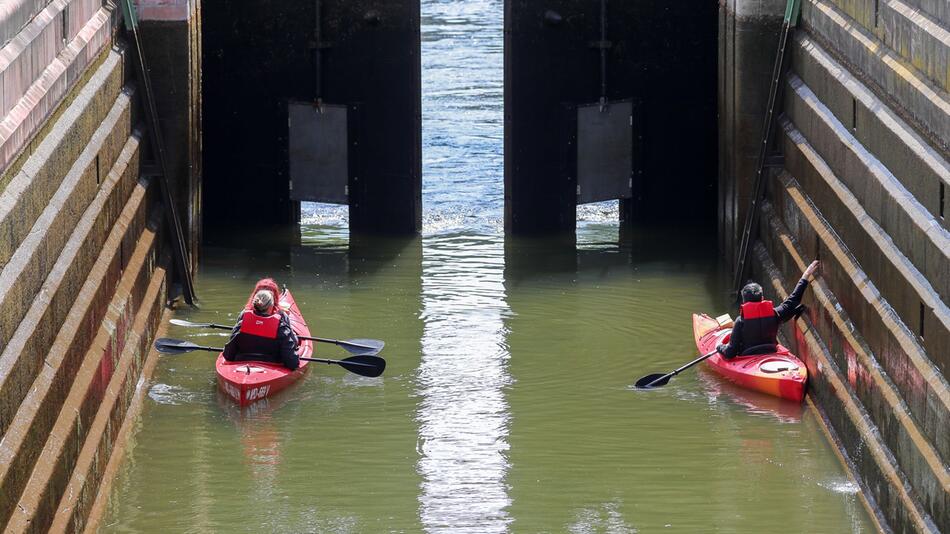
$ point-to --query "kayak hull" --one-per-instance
(779, 373)
(250, 381)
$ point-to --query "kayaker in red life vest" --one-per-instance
(264, 333)
(756, 327)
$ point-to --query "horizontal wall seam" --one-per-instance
(108, 263)
(876, 55)
(68, 425)
(913, 276)
(859, 418)
(87, 474)
(26, 272)
(839, 142)
(937, 471)
(921, 41)
(891, 120)
(30, 112)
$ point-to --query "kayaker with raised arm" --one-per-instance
(756, 329)
(263, 333)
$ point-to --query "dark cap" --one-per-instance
(752, 292)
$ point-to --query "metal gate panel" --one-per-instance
(604, 151)
(318, 154)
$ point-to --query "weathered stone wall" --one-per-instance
(865, 185)
(82, 269)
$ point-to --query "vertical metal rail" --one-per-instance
(179, 251)
(775, 91)
(318, 55)
(603, 55)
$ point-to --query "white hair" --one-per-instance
(263, 301)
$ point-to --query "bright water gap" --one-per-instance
(506, 406)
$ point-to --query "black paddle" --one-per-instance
(354, 346)
(362, 364)
(659, 379)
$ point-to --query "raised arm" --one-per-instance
(786, 310)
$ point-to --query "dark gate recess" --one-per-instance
(259, 56)
(659, 54)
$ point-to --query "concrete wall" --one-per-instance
(661, 55)
(80, 257)
(171, 38)
(258, 56)
(748, 37)
(864, 188)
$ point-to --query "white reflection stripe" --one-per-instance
(463, 416)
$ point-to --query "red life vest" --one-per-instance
(757, 310)
(261, 326)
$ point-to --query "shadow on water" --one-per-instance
(598, 248)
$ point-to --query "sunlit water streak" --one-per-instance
(463, 416)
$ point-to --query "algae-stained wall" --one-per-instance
(82, 272)
(865, 135)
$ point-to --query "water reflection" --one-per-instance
(720, 391)
(463, 416)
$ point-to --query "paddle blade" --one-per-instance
(174, 346)
(660, 378)
(362, 346)
(364, 365)
(189, 324)
(182, 322)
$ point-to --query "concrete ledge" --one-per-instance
(861, 11)
(908, 363)
(94, 458)
(41, 174)
(121, 341)
(917, 457)
(884, 484)
(81, 512)
(915, 231)
(15, 15)
(918, 166)
(756, 10)
(30, 112)
(936, 9)
(48, 310)
(924, 42)
(24, 58)
(924, 104)
(35, 416)
(31, 260)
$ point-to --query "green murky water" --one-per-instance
(506, 405)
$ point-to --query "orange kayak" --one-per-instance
(779, 373)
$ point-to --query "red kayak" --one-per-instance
(779, 373)
(247, 382)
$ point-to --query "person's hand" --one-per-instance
(810, 270)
